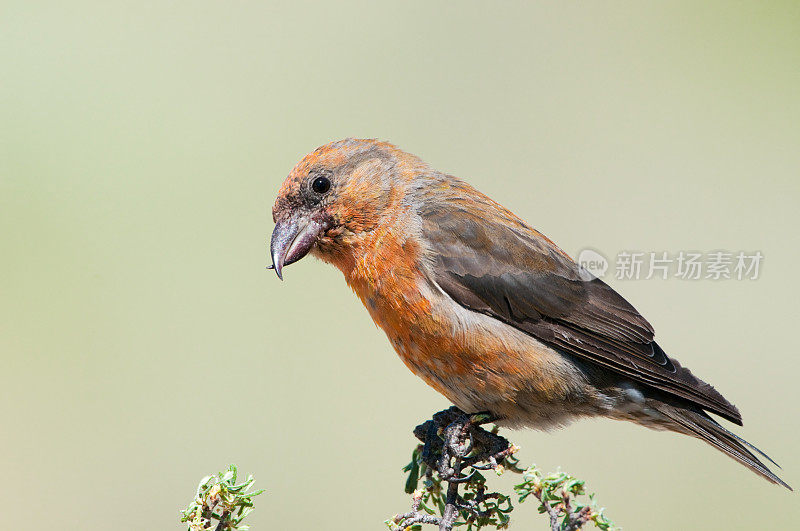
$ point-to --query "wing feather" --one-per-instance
(489, 261)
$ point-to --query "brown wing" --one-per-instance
(487, 260)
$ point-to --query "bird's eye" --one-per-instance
(321, 185)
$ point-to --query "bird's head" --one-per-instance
(335, 196)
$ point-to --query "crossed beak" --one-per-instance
(292, 239)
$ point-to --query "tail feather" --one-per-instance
(698, 424)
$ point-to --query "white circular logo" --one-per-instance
(593, 262)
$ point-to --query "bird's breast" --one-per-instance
(476, 361)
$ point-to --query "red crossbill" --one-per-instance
(482, 307)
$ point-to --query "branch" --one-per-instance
(455, 450)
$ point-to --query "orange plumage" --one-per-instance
(481, 306)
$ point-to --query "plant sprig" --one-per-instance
(558, 497)
(220, 503)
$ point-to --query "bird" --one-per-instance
(484, 308)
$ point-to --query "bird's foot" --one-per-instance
(456, 447)
(454, 436)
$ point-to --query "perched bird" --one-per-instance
(482, 307)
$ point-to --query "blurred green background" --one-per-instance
(144, 344)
